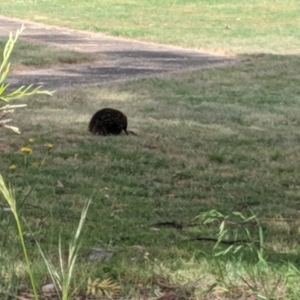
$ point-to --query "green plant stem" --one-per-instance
(25, 160)
(44, 158)
(8, 196)
(26, 255)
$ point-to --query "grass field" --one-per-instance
(233, 26)
(222, 138)
(211, 139)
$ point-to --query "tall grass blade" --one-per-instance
(11, 201)
(62, 278)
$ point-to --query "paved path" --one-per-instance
(117, 58)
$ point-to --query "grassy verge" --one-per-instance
(222, 26)
(224, 138)
(26, 54)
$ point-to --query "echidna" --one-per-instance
(108, 121)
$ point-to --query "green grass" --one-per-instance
(230, 26)
(26, 54)
(223, 138)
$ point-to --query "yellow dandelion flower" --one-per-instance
(26, 150)
(13, 167)
(31, 141)
(49, 146)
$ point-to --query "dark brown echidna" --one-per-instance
(108, 121)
